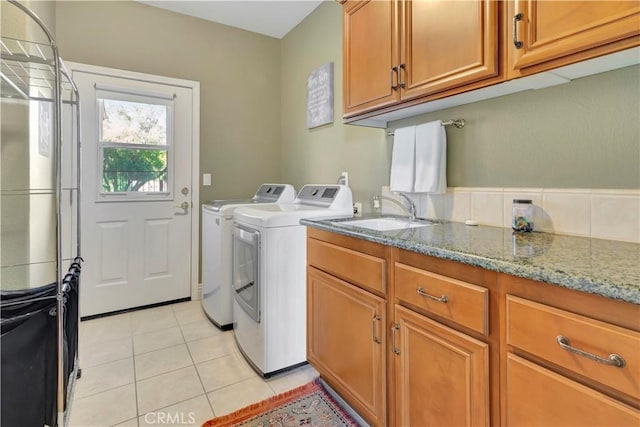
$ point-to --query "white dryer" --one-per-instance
(216, 249)
(269, 275)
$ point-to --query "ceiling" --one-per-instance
(269, 17)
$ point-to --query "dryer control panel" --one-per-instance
(330, 196)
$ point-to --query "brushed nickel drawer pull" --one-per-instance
(517, 43)
(400, 69)
(394, 328)
(393, 70)
(376, 318)
(424, 293)
(613, 360)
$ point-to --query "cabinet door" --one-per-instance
(447, 44)
(442, 375)
(548, 30)
(345, 342)
(369, 55)
(537, 396)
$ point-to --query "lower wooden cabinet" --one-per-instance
(536, 396)
(411, 340)
(586, 344)
(346, 342)
(569, 358)
(441, 375)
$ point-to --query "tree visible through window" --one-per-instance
(127, 170)
(134, 142)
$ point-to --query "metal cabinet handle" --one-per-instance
(394, 328)
(400, 84)
(613, 360)
(393, 70)
(517, 43)
(442, 299)
(376, 318)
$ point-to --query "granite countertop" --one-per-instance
(602, 267)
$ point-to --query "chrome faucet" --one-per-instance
(412, 206)
(411, 210)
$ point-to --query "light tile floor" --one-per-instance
(165, 366)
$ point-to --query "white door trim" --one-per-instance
(195, 157)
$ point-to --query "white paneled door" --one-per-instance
(137, 139)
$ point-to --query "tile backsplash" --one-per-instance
(602, 214)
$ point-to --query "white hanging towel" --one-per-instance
(431, 158)
(403, 159)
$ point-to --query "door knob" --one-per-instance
(184, 206)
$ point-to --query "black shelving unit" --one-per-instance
(40, 259)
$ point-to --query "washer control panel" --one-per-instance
(274, 193)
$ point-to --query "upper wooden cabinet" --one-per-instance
(548, 34)
(446, 44)
(402, 53)
(396, 51)
(369, 55)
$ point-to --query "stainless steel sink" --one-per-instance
(383, 224)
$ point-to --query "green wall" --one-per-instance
(238, 71)
(319, 155)
(584, 134)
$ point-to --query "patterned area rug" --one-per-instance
(309, 405)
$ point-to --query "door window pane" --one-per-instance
(130, 122)
(134, 170)
(135, 143)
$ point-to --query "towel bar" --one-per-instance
(459, 123)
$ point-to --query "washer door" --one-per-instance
(246, 269)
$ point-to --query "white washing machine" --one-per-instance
(269, 275)
(216, 249)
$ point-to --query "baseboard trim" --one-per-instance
(128, 310)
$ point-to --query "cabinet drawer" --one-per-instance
(535, 328)
(356, 267)
(537, 396)
(460, 302)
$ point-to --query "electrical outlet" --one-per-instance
(357, 209)
(344, 177)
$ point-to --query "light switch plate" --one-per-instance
(206, 179)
